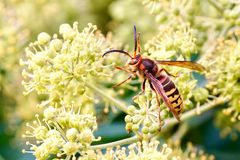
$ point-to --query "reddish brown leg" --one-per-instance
(143, 89)
(162, 69)
(159, 109)
(116, 85)
(122, 69)
(158, 104)
(158, 100)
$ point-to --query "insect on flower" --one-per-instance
(158, 78)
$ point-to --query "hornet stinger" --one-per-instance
(158, 78)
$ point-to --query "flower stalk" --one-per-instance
(120, 105)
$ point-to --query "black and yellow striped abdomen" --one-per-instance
(172, 93)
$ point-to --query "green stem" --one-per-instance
(183, 128)
(169, 123)
(193, 112)
(116, 143)
(104, 94)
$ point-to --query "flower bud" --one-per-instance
(135, 127)
(66, 31)
(128, 127)
(71, 134)
(49, 113)
(128, 119)
(131, 109)
(86, 136)
(145, 130)
(43, 38)
(200, 94)
(70, 148)
(56, 45)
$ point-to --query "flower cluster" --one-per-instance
(220, 16)
(171, 42)
(190, 153)
(148, 150)
(223, 77)
(165, 9)
(148, 118)
(63, 133)
(223, 73)
(62, 67)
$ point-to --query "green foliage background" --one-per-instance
(22, 20)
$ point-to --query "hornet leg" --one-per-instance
(122, 69)
(158, 104)
(162, 69)
(159, 110)
(143, 89)
(116, 85)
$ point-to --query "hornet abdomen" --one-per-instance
(171, 92)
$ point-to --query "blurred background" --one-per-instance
(20, 23)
